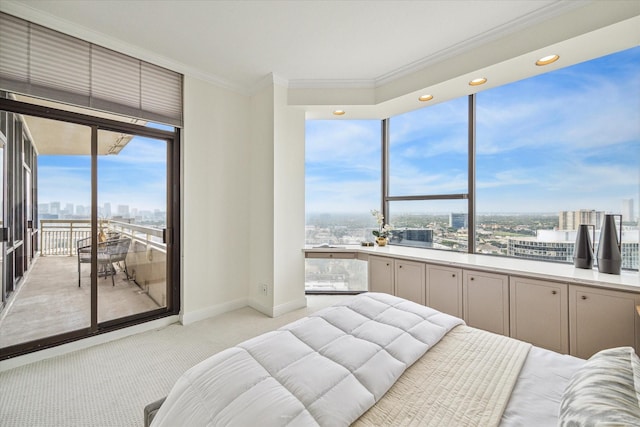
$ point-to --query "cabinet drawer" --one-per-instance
(331, 255)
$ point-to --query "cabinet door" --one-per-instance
(381, 275)
(602, 318)
(410, 280)
(486, 301)
(539, 313)
(444, 289)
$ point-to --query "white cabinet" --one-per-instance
(485, 301)
(444, 289)
(602, 318)
(539, 313)
(381, 275)
(409, 280)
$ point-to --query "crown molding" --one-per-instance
(535, 17)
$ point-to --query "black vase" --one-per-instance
(583, 249)
(609, 254)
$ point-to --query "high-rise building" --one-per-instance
(123, 211)
(107, 210)
(570, 220)
(54, 208)
(627, 210)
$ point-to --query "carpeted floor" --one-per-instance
(109, 384)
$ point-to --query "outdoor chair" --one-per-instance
(113, 251)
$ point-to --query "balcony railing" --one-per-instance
(60, 236)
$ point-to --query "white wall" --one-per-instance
(216, 202)
(262, 233)
(243, 201)
(277, 202)
(289, 219)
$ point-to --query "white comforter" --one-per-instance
(326, 369)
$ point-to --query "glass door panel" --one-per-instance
(132, 206)
(3, 295)
(55, 297)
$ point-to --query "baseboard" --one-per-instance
(205, 313)
(281, 309)
(84, 343)
(261, 308)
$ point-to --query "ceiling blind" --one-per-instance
(43, 63)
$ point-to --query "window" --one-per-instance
(342, 186)
(342, 162)
(428, 177)
(552, 152)
(555, 151)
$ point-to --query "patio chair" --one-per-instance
(110, 252)
(115, 252)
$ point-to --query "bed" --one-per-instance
(377, 360)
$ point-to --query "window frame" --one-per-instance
(471, 185)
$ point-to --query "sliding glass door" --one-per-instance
(132, 213)
(94, 206)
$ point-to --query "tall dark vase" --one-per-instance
(583, 249)
(609, 253)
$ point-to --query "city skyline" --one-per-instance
(564, 140)
(135, 176)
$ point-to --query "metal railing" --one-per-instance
(60, 236)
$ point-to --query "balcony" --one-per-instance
(49, 301)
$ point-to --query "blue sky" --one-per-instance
(135, 177)
(564, 140)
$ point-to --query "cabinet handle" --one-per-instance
(472, 278)
(387, 264)
(453, 275)
(583, 297)
(554, 292)
(400, 266)
(330, 255)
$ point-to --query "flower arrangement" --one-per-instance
(384, 230)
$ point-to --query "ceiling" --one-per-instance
(377, 49)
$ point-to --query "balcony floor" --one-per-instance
(49, 301)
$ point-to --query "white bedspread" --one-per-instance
(326, 369)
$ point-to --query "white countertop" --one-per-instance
(627, 281)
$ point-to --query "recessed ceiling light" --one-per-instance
(338, 113)
(425, 98)
(478, 82)
(549, 59)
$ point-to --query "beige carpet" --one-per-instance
(109, 384)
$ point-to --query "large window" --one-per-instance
(551, 152)
(342, 186)
(342, 162)
(555, 151)
(428, 159)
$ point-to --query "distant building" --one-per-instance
(420, 237)
(458, 220)
(123, 211)
(570, 220)
(558, 245)
(106, 210)
(627, 210)
(54, 208)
